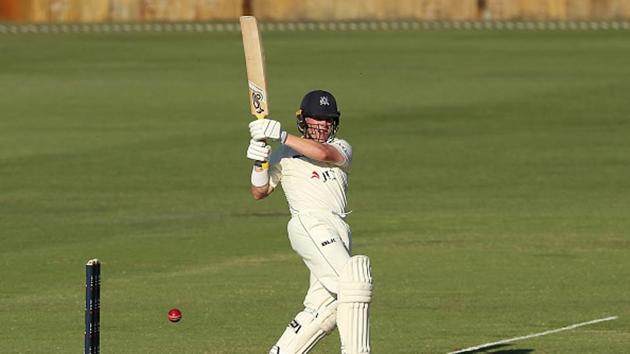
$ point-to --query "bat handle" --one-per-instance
(263, 164)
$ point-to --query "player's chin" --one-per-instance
(316, 137)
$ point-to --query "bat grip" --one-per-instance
(263, 164)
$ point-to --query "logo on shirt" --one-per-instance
(329, 175)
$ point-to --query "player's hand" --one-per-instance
(262, 129)
(258, 151)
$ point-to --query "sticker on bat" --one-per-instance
(258, 96)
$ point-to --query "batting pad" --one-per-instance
(306, 330)
(354, 297)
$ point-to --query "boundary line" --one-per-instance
(504, 341)
(168, 27)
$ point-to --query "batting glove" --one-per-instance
(258, 151)
(262, 129)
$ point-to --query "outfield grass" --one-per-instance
(490, 187)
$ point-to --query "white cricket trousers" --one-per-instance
(324, 242)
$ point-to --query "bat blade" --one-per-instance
(255, 63)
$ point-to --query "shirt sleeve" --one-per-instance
(346, 151)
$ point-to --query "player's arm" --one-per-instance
(262, 191)
(315, 150)
(260, 187)
(270, 129)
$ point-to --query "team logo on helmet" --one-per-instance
(323, 101)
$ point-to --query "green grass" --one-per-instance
(490, 187)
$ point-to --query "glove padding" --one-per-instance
(262, 129)
(258, 151)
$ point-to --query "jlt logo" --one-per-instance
(328, 175)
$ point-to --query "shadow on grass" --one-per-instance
(500, 349)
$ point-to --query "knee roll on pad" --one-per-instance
(355, 281)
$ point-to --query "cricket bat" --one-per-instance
(255, 63)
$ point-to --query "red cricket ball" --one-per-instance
(174, 315)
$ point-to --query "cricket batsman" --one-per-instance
(313, 170)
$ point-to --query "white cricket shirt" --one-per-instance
(309, 184)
